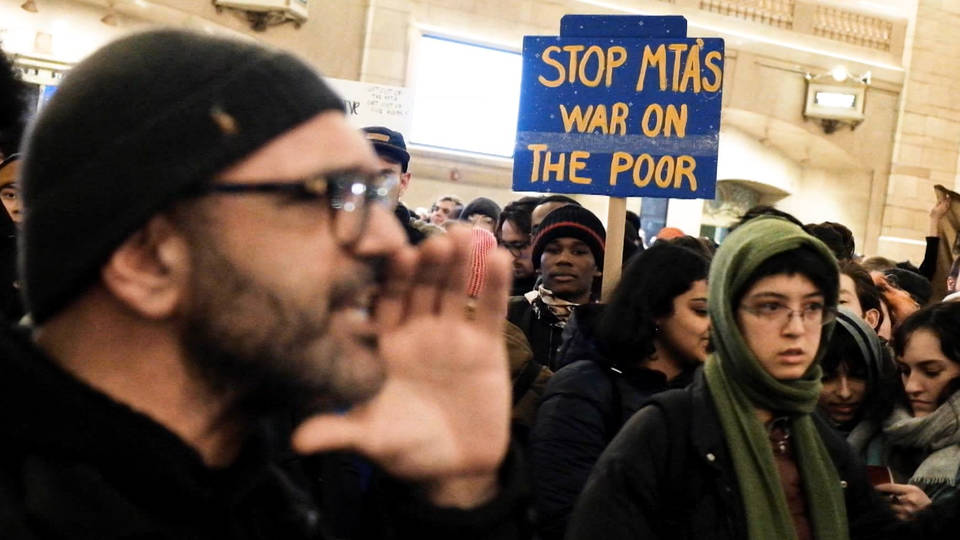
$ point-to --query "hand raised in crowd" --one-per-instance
(442, 416)
(905, 499)
(902, 305)
(938, 211)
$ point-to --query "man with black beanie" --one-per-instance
(481, 212)
(213, 266)
(568, 253)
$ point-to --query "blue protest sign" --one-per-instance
(619, 116)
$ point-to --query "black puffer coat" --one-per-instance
(583, 408)
(668, 474)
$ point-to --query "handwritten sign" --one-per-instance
(620, 115)
(375, 104)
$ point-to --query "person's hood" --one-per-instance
(866, 339)
(878, 365)
(741, 253)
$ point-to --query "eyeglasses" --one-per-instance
(348, 194)
(515, 248)
(811, 315)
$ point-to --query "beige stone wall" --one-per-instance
(877, 178)
(755, 82)
(332, 39)
(927, 138)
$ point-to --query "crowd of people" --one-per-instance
(222, 322)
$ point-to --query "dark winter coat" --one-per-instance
(11, 308)
(414, 236)
(76, 464)
(542, 328)
(584, 406)
(668, 474)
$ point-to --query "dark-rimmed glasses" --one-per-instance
(348, 194)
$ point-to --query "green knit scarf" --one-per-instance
(739, 385)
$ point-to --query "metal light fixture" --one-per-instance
(836, 98)
(29, 5)
(262, 14)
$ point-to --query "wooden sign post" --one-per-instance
(613, 252)
(622, 106)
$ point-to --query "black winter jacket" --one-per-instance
(404, 217)
(76, 464)
(542, 328)
(668, 474)
(583, 408)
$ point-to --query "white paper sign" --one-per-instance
(375, 104)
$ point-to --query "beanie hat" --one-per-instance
(481, 205)
(571, 222)
(916, 285)
(139, 124)
(669, 233)
(481, 242)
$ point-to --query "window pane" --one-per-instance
(466, 97)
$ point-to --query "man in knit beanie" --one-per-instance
(214, 265)
(568, 252)
(481, 212)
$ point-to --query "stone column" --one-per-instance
(927, 138)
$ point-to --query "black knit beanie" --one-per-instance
(133, 128)
(571, 222)
(483, 206)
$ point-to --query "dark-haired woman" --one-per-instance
(738, 454)
(11, 308)
(859, 385)
(923, 434)
(650, 338)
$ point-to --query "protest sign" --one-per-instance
(632, 112)
(623, 106)
(368, 104)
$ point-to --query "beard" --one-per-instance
(266, 353)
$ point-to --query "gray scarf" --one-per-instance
(937, 433)
(861, 435)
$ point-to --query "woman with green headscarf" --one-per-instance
(738, 454)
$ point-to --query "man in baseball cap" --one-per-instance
(394, 159)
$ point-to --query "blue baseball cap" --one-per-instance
(389, 144)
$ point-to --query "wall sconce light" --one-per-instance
(264, 13)
(29, 5)
(836, 98)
